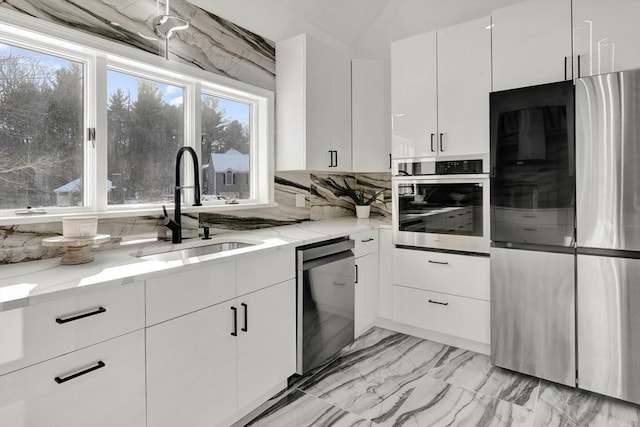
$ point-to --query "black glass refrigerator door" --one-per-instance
(533, 165)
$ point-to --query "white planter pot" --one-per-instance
(363, 211)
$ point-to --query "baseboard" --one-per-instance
(255, 408)
(478, 347)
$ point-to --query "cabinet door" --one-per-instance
(328, 107)
(370, 116)
(101, 385)
(266, 340)
(606, 36)
(366, 292)
(191, 369)
(531, 43)
(464, 83)
(414, 104)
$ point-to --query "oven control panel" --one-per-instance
(455, 167)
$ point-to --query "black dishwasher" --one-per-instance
(325, 300)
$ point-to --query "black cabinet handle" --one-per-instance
(389, 160)
(336, 153)
(441, 146)
(98, 310)
(330, 158)
(565, 68)
(432, 136)
(578, 66)
(370, 239)
(98, 365)
(356, 273)
(439, 262)
(235, 322)
(246, 311)
(438, 302)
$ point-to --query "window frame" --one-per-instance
(100, 55)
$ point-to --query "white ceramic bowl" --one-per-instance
(80, 226)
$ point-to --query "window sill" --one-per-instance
(134, 212)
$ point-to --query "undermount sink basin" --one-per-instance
(195, 252)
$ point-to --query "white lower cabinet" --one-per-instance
(366, 290)
(100, 386)
(266, 340)
(366, 280)
(442, 292)
(191, 369)
(205, 366)
(462, 317)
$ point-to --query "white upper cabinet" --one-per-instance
(414, 102)
(531, 43)
(464, 83)
(313, 106)
(371, 141)
(440, 84)
(606, 36)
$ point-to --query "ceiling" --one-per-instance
(364, 27)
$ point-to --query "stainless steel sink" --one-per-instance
(198, 251)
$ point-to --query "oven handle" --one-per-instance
(484, 178)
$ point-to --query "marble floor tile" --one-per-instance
(298, 409)
(438, 403)
(474, 372)
(376, 374)
(565, 406)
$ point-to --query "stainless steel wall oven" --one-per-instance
(441, 204)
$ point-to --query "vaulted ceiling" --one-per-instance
(365, 27)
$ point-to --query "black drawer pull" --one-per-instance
(438, 302)
(439, 262)
(98, 310)
(98, 365)
(530, 229)
(235, 322)
(356, 281)
(432, 149)
(246, 315)
(370, 239)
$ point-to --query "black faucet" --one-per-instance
(174, 224)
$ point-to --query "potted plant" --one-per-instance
(363, 203)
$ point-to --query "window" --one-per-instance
(225, 146)
(73, 117)
(145, 129)
(41, 129)
(228, 178)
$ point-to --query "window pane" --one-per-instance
(41, 129)
(145, 131)
(225, 148)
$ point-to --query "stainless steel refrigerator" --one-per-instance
(608, 233)
(533, 231)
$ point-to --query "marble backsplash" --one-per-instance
(20, 243)
(210, 43)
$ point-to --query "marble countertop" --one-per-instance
(34, 282)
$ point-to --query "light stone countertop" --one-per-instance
(34, 282)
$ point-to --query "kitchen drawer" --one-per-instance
(35, 333)
(462, 275)
(187, 291)
(111, 395)
(365, 243)
(466, 318)
(265, 268)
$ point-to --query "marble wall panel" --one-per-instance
(210, 43)
(20, 243)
